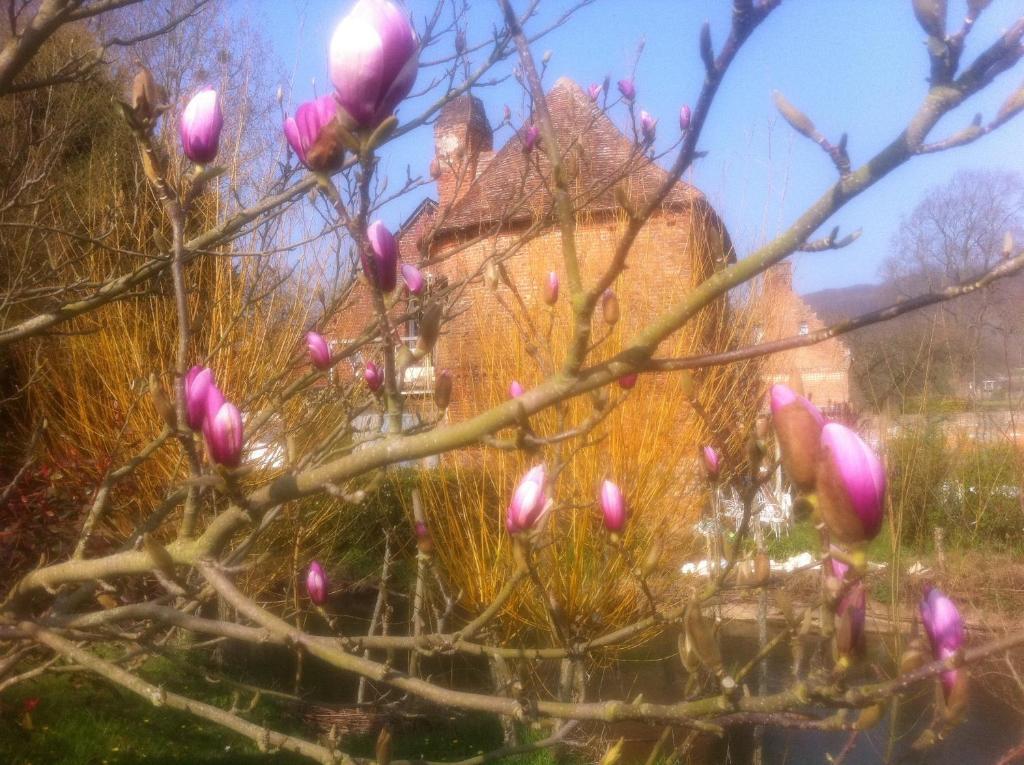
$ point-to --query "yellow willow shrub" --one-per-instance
(94, 389)
(648, 444)
(92, 385)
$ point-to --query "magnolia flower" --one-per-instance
(319, 352)
(317, 150)
(613, 507)
(316, 583)
(529, 502)
(515, 390)
(198, 383)
(798, 425)
(594, 91)
(684, 118)
(373, 376)
(223, 431)
(380, 264)
(850, 484)
(647, 126)
(945, 630)
(374, 55)
(413, 278)
(551, 288)
(530, 135)
(626, 382)
(200, 126)
(712, 463)
(628, 89)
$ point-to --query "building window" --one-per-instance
(804, 328)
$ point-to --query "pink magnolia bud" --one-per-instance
(413, 278)
(200, 126)
(319, 352)
(515, 390)
(609, 307)
(626, 382)
(613, 507)
(837, 567)
(316, 583)
(373, 376)
(318, 150)
(198, 383)
(380, 264)
(214, 401)
(850, 484)
(594, 91)
(224, 436)
(424, 542)
(530, 135)
(628, 89)
(507, 113)
(374, 56)
(850, 609)
(851, 614)
(798, 425)
(712, 463)
(945, 630)
(551, 288)
(684, 118)
(648, 126)
(941, 620)
(529, 502)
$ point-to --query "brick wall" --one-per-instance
(821, 370)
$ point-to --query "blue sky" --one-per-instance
(857, 66)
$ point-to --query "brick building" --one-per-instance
(497, 205)
(822, 370)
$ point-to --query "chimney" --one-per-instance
(463, 144)
(779, 277)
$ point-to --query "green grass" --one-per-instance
(803, 537)
(83, 720)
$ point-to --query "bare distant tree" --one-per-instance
(958, 231)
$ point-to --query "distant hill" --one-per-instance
(843, 302)
(888, 356)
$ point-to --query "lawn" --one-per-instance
(81, 720)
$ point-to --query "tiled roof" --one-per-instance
(597, 158)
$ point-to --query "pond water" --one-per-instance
(990, 729)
